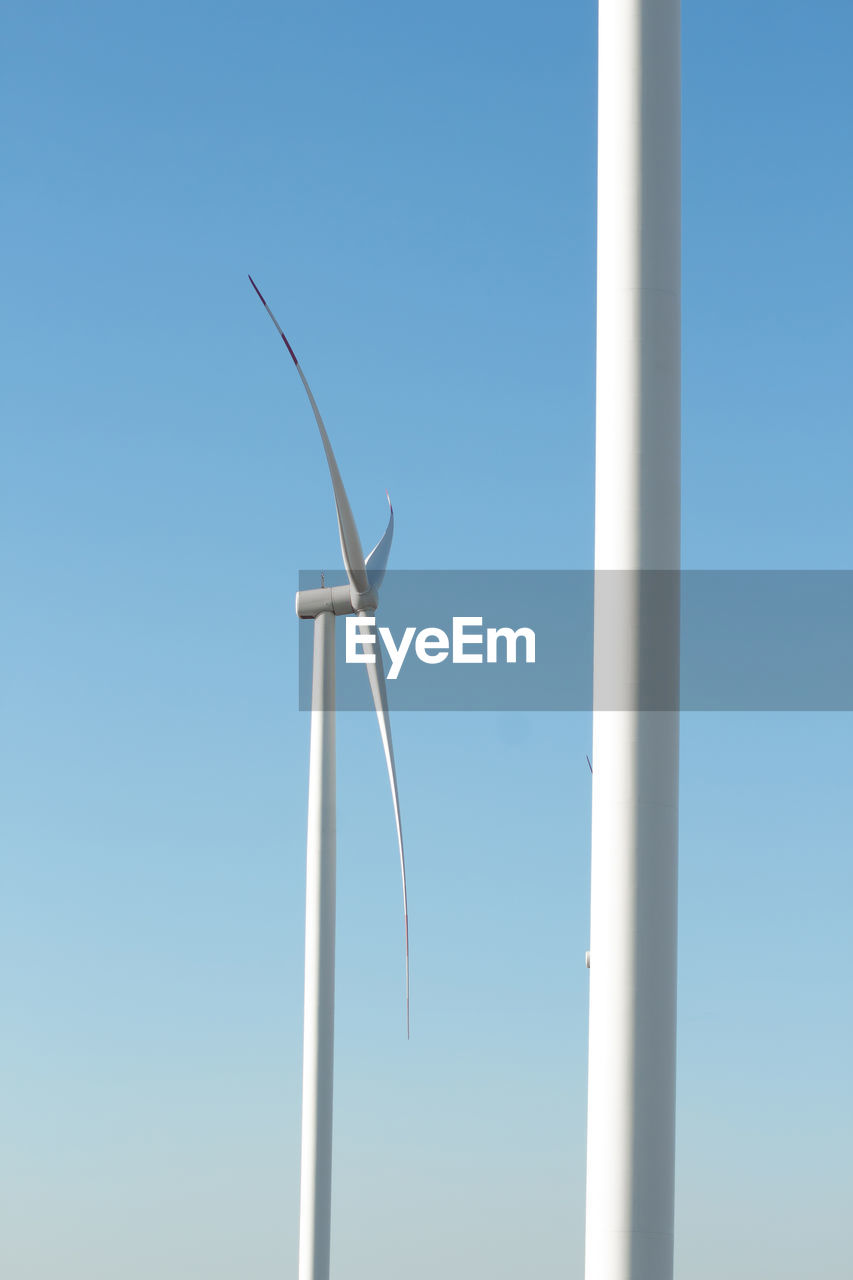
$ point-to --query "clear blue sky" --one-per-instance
(414, 190)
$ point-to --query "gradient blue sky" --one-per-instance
(414, 191)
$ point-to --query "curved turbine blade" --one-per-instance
(377, 561)
(350, 541)
(376, 676)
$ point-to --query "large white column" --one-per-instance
(631, 1111)
(315, 1197)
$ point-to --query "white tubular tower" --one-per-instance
(318, 1049)
(632, 1020)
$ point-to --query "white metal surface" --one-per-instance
(377, 561)
(351, 551)
(318, 1047)
(631, 1108)
(379, 691)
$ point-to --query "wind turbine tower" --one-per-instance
(631, 1109)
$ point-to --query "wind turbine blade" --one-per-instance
(350, 541)
(376, 676)
(377, 561)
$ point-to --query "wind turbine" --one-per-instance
(323, 605)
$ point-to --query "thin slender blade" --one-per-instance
(350, 541)
(376, 676)
(377, 562)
